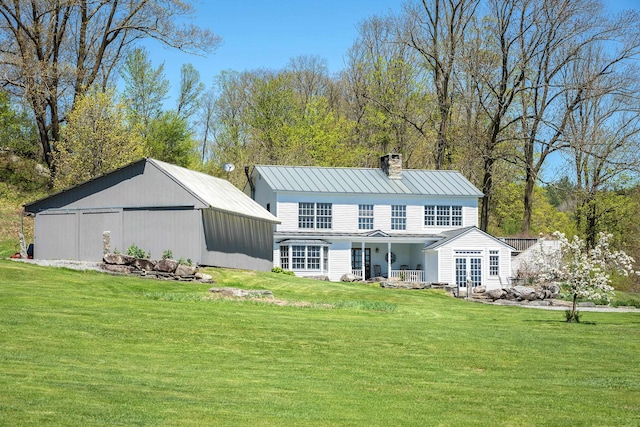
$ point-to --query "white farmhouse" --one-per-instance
(418, 225)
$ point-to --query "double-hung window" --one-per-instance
(365, 217)
(398, 217)
(442, 216)
(315, 215)
(494, 263)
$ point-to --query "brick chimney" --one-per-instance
(391, 165)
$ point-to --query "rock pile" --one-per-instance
(539, 294)
(169, 269)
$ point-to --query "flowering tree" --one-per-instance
(585, 271)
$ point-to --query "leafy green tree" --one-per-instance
(53, 51)
(169, 140)
(17, 131)
(191, 89)
(95, 140)
(145, 89)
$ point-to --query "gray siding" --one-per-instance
(92, 225)
(236, 242)
(138, 185)
(158, 230)
(56, 236)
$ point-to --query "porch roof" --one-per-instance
(368, 236)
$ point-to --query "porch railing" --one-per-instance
(416, 276)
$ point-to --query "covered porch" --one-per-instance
(404, 260)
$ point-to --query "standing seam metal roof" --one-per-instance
(366, 181)
(218, 193)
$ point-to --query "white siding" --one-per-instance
(475, 240)
(339, 260)
(345, 211)
(431, 267)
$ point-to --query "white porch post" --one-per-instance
(389, 260)
(362, 262)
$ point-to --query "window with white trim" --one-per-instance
(398, 217)
(304, 257)
(494, 263)
(323, 215)
(429, 216)
(442, 216)
(315, 215)
(306, 215)
(284, 257)
(456, 215)
(365, 217)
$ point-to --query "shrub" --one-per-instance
(572, 316)
(168, 254)
(136, 252)
(282, 271)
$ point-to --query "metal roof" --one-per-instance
(366, 181)
(451, 235)
(218, 193)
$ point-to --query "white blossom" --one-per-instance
(586, 272)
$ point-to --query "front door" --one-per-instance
(356, 260)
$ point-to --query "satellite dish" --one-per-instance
(228, 167)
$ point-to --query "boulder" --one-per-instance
(480, 289)
(185, 270)
(143, 264)
(496, 293)
(206, 278)
(166, 265)
(348, 277)
(553, 288)
(118, 259)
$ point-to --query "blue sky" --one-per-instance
(266, 34)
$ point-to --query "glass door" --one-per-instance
(356, 260)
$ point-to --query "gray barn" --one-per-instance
(156, 206)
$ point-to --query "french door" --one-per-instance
(468, 265)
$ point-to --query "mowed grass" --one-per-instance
(84, 348)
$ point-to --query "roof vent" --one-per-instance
(391, 165)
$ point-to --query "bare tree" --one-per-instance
(553, 36)
(386, 98)
(52, 51)
(436, 30)
(492, 75)
(603, 133)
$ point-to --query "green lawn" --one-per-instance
(91, 349)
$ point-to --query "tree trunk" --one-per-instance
(487, 188)
(528, 201)
(573, 317)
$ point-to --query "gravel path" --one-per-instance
(74, 265)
